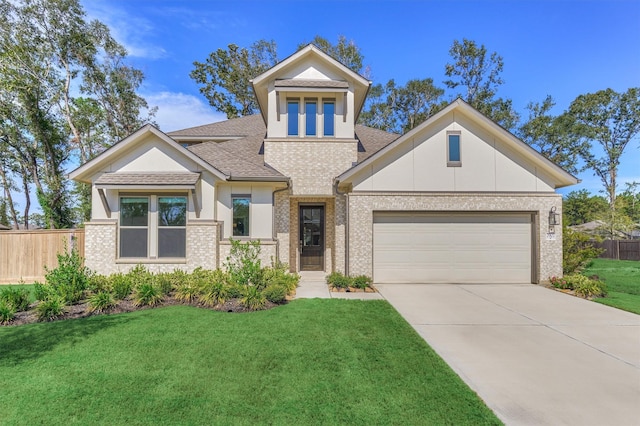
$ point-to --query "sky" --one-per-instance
(561, 48)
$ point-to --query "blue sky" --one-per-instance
(560, 48)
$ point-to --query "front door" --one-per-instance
(311, 238)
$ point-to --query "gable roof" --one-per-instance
(228, 129)
(562, 177)
(88, 169)
(259, 83)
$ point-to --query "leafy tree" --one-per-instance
(401, 108)
(610, 120)
(615, 223)
(580, 207)
(344, 51)
(631, 197)
(225, 76)
(478, 75)
(553, 136)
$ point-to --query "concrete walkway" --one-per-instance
(534, 355)
(313, 284)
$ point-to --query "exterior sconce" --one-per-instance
(553, 220)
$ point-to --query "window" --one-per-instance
(292, 118)
(172, 226)
(454, 158)
(241, 215)
(328, 110)
(153, 226)
(134, 226)
(310, 111)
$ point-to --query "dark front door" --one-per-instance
(311, 238)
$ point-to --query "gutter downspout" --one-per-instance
(336, 182)
(273, 217)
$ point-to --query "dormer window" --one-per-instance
(293, 109)
(311, 118)
(328, 113)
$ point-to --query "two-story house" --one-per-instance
(457, 199)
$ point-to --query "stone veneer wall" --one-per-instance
(101, 249)
(362, 206)
(282, 230)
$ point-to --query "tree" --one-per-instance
(344, 51)
(401, 108)
(479, 78)
(631, 196)
(552, 136)
(225, 76)
(580, 207)
(610, 120)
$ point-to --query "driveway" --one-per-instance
(534, 355)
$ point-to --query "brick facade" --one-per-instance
(548, 252)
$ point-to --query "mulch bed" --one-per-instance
(81, 310)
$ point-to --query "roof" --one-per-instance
(4, 227)
(235, 127)
(159, 178)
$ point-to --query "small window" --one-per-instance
(454, 158)
(172, 222)
(134, 226)
(241, 215)
(292, 117)
(328, 111)
(310, 111)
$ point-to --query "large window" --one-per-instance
(454, 157)
(293, 109)
(328, 111)
(310, 111)
(241, 205)
(153, 226)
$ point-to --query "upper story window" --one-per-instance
(241, 205)
(293, 109)
(328, 112)
(454, 157)
(310, 111)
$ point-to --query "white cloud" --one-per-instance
(179, 111)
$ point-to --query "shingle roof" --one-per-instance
(235, 127)
(150, 178)
(243, 157)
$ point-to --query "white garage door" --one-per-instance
(452, 248)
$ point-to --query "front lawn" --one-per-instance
(622, 278)
(316, 361)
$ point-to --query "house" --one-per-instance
(456, 199)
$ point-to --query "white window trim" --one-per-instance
(449, 162)
(241, 196)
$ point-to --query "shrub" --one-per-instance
(121, 285)
(215, 293)
(279, 275)
(243, 263)
(70, 278)
(164, 282)
(139, 275)
(577, 250)
(51, 308)
(146, 294)
(361, 281)
(252, 298)
(559, 282)
(101, 302)
(17, 298)
(7, 312)
(275, 293)
(338, 280)
(187, 292)
(99, 283)
(42, 291)
(591, 288)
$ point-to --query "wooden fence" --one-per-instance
(619, 249)
(24, 254)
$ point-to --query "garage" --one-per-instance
(425, 247)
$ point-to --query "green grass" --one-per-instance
(623, 282)
(317, 361)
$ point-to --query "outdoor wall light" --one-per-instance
(553, 220)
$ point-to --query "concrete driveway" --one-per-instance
(534, 355)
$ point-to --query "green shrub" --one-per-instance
(101, 302)
(51, 308)
(17, 298)
(164, 282)
(42, 291)
(121, 286)
(139, 275)
(279, 275)
(591, 288)
(338, 280)
(275, 293)
(361, 281)
(7, 312)
(577, 250)
(215, 293)
(99, 283)
(252, 298)
(243, 263)
(187, 292)
(147, 294)
(70, 278)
